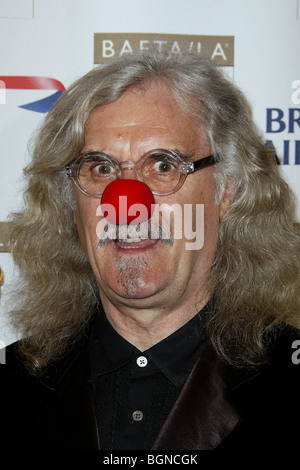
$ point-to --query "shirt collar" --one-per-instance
(174, 356)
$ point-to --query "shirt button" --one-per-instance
(137, 415)
(142, 361)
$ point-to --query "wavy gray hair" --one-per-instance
(255, 274)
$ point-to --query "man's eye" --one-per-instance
(163, 167)
(103, 169)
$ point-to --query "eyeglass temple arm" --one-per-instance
(206, 161)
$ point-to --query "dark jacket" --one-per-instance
(220, 407)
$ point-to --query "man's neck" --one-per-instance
(145, 327)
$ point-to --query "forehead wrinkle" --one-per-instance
(118, 129)
(140, 122)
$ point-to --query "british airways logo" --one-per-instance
(282, 128)
(34, 83)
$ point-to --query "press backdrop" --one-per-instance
(46, 44)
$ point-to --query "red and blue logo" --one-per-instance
(35, 83)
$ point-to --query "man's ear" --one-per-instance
(227, 198)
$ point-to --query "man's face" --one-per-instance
(157, 275)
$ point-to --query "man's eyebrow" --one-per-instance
(186, 156)
(89, 150)
(189, 155)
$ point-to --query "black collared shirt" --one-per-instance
(134, 391)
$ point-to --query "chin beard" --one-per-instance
(130, 272)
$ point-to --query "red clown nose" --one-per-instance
(127, 200)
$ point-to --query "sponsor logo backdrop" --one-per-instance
(46, 44)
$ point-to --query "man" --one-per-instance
(132, 340)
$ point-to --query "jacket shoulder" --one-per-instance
(11, 360)
(267, 398)
(25, 398)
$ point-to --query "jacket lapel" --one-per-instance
(203, 415)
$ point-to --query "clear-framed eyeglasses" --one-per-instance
(163, 171)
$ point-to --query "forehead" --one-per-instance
(143, 118)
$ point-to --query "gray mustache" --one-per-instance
(142, 230)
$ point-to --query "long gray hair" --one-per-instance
(255, 274)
